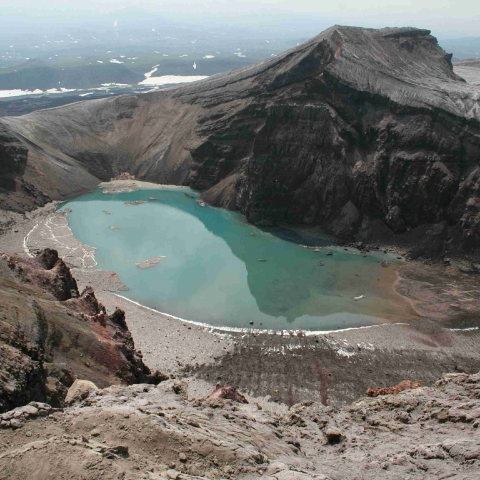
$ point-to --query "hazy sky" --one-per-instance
(444, 17)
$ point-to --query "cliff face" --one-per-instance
(371, 134)
(52, 334)
(13, 159)
(367, 133)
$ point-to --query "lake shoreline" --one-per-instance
(183, 349)
(225, 273)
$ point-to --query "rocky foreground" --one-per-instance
(148, 432)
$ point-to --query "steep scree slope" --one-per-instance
(368, 133)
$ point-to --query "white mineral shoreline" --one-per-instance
(257, 331)
(125, 186)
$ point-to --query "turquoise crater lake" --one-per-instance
(211, 271)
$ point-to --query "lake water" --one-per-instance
(211, 272)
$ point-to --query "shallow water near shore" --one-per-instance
(210, 270)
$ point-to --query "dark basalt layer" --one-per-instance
(51, 334)
(366, 133)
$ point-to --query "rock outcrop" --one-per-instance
(366, 133)
(404, 385)
(13, 164)
(51, 334)
(226, 393)
(144, 431)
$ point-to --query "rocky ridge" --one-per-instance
(366, 133)
(52, 334)
(147, 432)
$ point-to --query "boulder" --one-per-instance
(79, 391)
(334, 435)
(227, 393)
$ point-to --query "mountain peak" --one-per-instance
(405, 64)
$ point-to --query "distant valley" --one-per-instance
(105, 59)
(112, 56)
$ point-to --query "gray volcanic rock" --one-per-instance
(151, 432)
(367, 133)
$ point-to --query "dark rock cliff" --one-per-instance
(368, 134)
(13, 158)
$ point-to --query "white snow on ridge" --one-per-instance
(151, 72)
(171, 79)
(21, 93)
(60, 90)
(18, 93)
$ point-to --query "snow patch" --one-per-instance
(151, 72)
(471, 329)
(345, 353)
(21, 93)
(171, 79)
(60, 90)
